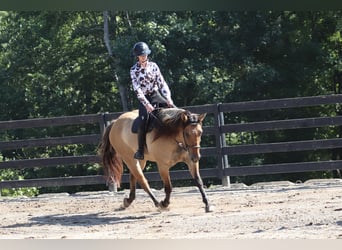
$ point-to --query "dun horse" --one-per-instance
(175, 137)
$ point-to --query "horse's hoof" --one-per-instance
(126, 203)
(162, 206)
(163, 209)
(209, 209)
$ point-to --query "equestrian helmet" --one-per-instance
(141, 48)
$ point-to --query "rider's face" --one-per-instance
(142, 58)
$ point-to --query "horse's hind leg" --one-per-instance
(144, 184)
(138, 175)
(131, 198)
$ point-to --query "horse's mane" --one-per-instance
(168, 122)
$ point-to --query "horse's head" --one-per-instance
(192, 134)
(187, 126)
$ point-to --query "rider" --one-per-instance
(151, 89)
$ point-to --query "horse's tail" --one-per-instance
(111, 162)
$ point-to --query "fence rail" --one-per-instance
(218, 129)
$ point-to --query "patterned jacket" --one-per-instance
(147, 80)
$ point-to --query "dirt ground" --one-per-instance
(280, 210)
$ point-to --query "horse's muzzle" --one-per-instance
(195, 159)
(195, 155)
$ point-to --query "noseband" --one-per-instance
(186, 147)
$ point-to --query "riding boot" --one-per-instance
(141, 144)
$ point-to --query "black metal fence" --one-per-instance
(218, 129)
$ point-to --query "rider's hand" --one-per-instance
(149, 108)
(170, 104)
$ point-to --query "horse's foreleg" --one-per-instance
(199, 184)
(131, 198)
(165, 176)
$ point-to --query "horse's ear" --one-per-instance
(201, 117)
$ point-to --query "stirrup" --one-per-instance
(139, 155)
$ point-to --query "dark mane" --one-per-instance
(169, 121)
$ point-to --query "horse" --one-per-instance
(175, 137)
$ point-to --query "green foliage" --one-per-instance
(7, 174)
(14, 175)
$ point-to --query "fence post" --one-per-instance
(112, 187)
(103, 122)
(222, 143)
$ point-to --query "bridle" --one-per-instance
(184, 145)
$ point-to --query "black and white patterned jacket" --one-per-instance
(147, 80)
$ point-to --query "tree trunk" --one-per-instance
(122, 87)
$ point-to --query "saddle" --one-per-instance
(137, 121)
(150, 123)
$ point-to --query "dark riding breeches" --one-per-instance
(157, 101)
